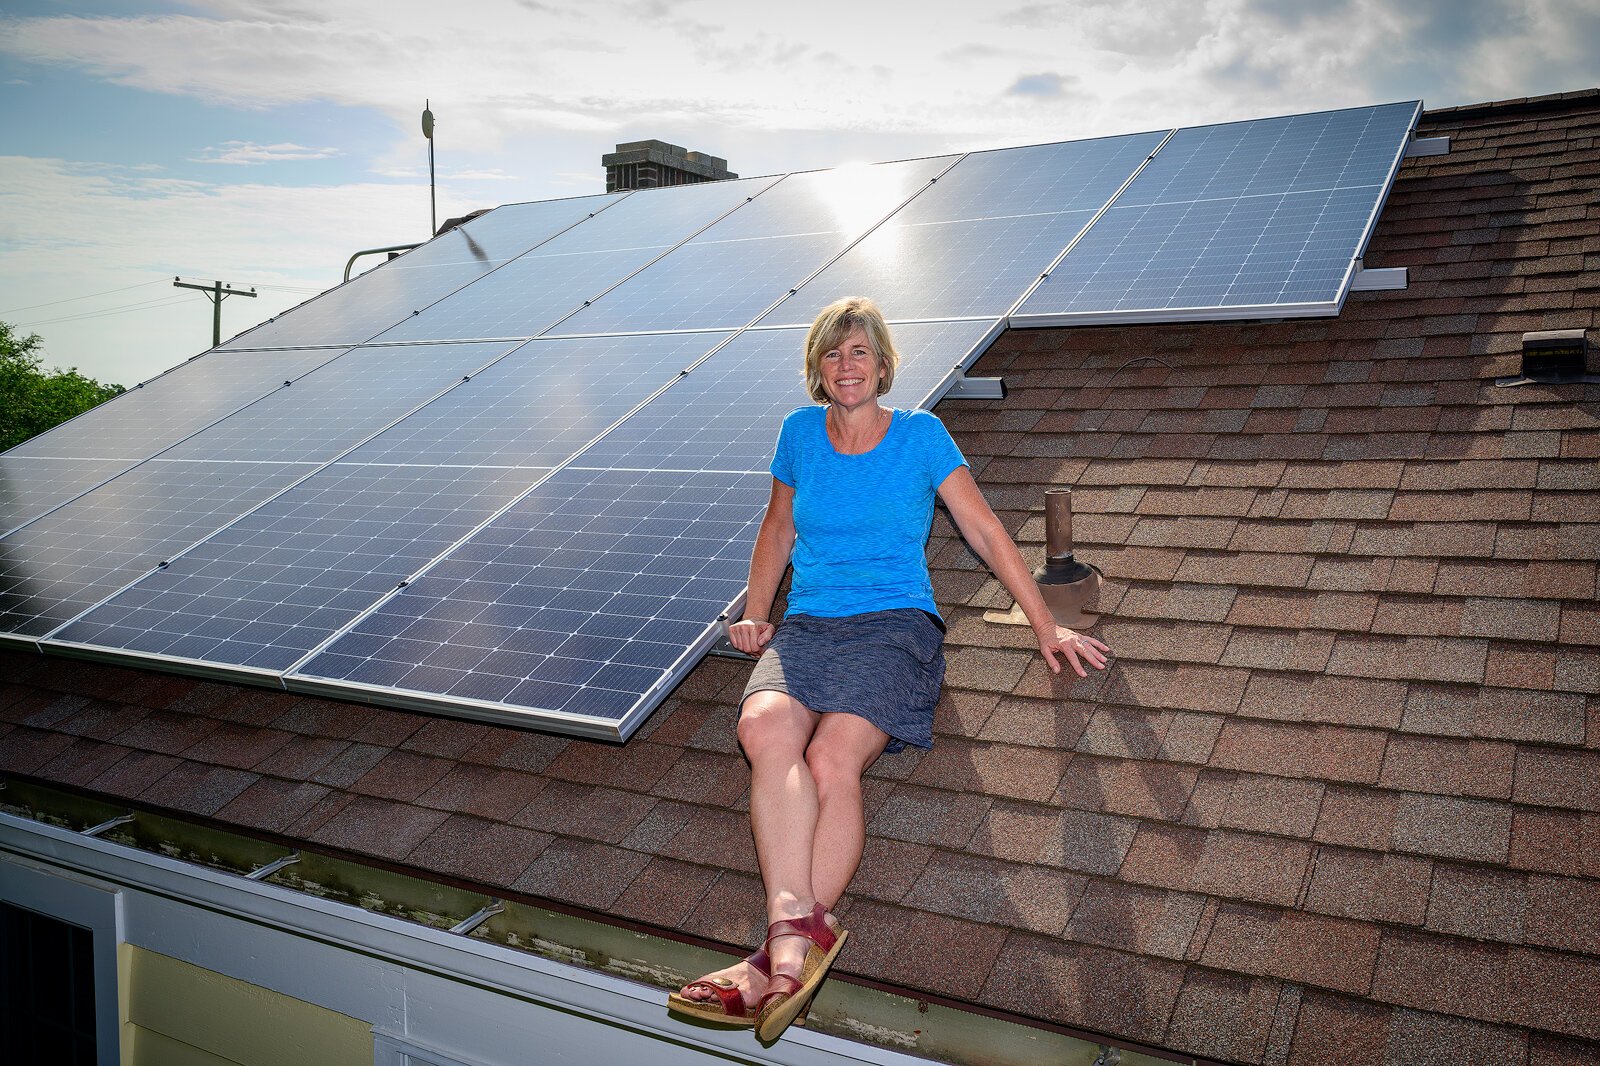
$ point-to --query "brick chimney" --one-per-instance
(652, 164)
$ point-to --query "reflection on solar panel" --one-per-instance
(366, 306)
(516, 473)
(57, 465)
(1238, 220)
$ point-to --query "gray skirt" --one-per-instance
(885, 666)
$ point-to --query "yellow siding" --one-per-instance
(184, 1014)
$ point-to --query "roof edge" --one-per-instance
(1522, 105)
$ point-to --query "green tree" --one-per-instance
(32, 400)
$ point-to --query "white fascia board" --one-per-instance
(479, 963)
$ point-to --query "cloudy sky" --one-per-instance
(261, 143)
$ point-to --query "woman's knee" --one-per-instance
(772, 721)
(835, 770)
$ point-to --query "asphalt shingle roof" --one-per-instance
(1338, 798)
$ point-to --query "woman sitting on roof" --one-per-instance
(855, 668)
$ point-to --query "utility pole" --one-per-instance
(216, 293)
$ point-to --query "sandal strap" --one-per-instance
(781, 985)
(732, 999)
(814, 927)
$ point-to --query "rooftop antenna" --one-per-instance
(427, 131)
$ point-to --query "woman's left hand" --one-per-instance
(1073, 645)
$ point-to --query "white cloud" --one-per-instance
(248, 153)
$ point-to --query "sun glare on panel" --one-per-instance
(859, 194)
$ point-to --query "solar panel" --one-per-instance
(582, 602)
(267, 589)
(270, 587)
(1239, 220)
(576, 603)
(733, 271)
(532, 495)
(528, 295)
(57, 465)
(366, 305)
(726, 414)
(71, 559)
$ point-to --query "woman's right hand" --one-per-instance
(750, 635)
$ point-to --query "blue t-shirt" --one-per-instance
(861, 521)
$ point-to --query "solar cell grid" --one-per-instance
(337, 404)
(30, 486)
(365, 306)
(269, 588)
(577, 602)
(164, 410)
(70, 560)
(540, 404)
(1257, 218)
(528, 295)
(726, 414)
(1038, 179)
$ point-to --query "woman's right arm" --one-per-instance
(774, 542)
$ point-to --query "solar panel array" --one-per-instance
(516, 473)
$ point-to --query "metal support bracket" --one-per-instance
(261, 873)
(468, 924)
(1379, 280)
(967, 388)
(1424, 146)
(109, 823)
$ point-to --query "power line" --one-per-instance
(104, 312)
(90, 296)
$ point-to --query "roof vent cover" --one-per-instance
(1553, 356)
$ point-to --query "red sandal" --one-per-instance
(729, 1006)
(787, 997)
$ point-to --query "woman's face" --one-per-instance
(851, 370)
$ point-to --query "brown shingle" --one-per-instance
(990, 891)
(1554, 992)
(1328, 752)
(487, 852)
(1103, 989)
(1262, 804)
(1453, 828)
(591, 812)
(587, 874)
(482, 791)
(271, 804)
(992, 769)
(1358, 817)
(1225, 1017)
(1550, 717)
(1408, 658)
(1145, 921)
(1126, 786)
(1563, 913)
(1339, 700)
(929, 816)
(197, 788)
(1559, 842)
(1417, 1038)
(1371, 886)
(919, 949)
(1448, 767)
(399, 775)
(1311, 949)
(1555, 778)
(1479, 903)
(665, 893)
(1334, 1030)
(378, 827)
(1087, 841)
(1439, 973)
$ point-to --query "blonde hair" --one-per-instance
(832, 324)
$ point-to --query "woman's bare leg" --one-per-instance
(774, 730)
(841, 749)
